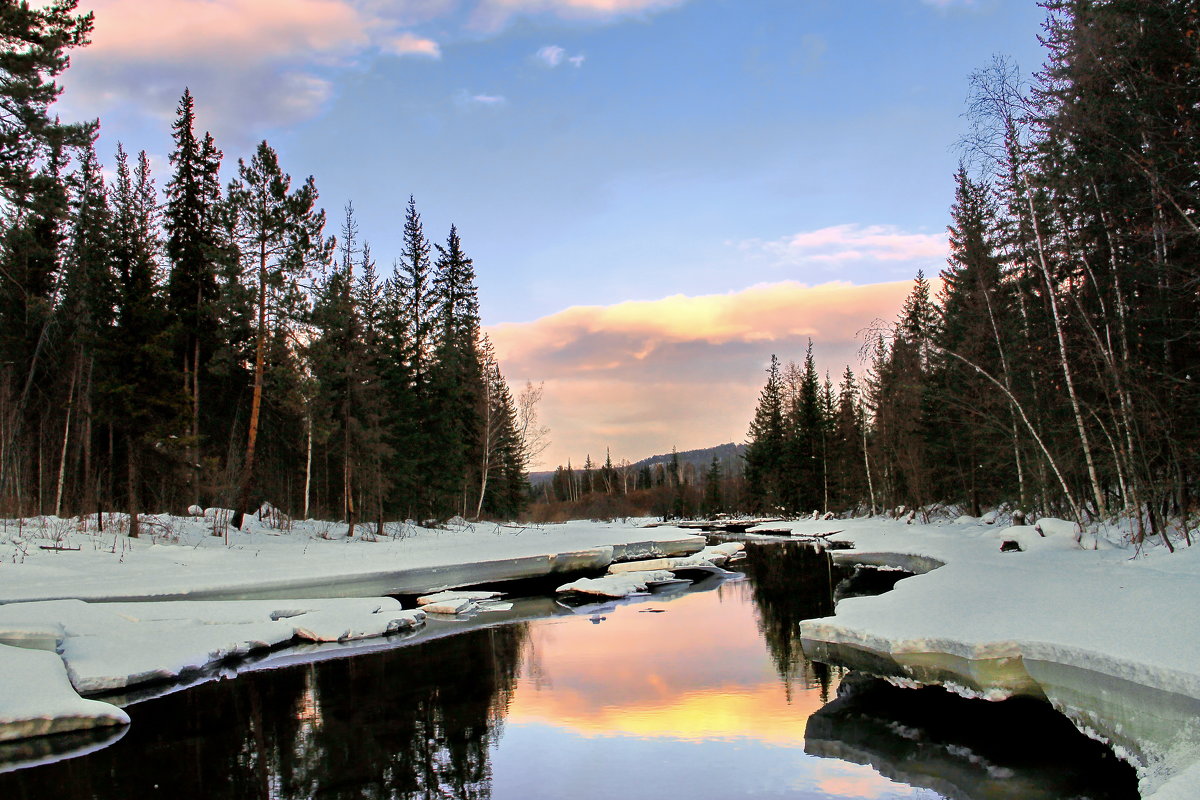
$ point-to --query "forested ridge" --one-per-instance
(1054, 367)
(202, 344)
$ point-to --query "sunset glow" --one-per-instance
(642, 377)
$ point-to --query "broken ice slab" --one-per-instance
(39, 700)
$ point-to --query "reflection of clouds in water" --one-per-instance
(636, 657)
(843, 779)
(719, 713)
(666, 681)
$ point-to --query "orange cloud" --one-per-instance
(643, 376)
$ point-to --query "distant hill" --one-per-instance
(729, 455)
(725, 453)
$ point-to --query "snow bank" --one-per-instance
(108, 646)
(1083, 627)
(180, 559)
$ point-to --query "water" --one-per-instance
(702, 693)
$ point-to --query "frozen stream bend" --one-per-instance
(103, 612)
(1108, 639)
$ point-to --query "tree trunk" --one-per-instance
(308, 468)
(1062, 352)
(247, 476)
(131, 459)
(62, 461)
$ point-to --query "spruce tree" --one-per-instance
(765, 448)
(190, 219)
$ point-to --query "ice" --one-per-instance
(108, 646)
(451, 606)
(706, 559)
(455, 594)
(38, 698)
(1083, 627)
(182, 560)
(618, 585)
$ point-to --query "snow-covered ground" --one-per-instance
(1107, 635)
(84, 611)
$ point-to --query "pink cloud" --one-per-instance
(408, 44)
(493, 14)
(643, 376)
(243, 30)
(250, 63)
(840, 244)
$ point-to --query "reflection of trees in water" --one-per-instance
(791, 582)
(414, 722)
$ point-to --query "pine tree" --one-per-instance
(278, 235)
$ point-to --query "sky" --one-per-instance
(658, 194)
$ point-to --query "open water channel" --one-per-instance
(699, 693)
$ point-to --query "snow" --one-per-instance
(456, 594)
(621, 584)
(708, 559)
(1106, 634)
(108, 646)
(39, 699)
(182, 560)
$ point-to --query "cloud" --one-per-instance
(643, 376)
(552, 55)
(255, 65)
(839, 244)
(251, 63)
(408, 44)
(465, 98)
(495, 14)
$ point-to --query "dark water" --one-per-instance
(703, 693)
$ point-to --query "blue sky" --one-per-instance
(591, 152)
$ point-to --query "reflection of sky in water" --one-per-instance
(684, 703)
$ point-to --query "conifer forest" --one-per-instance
(168, 341)
(207, 337)
(1054, 366)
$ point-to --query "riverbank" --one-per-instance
(86, 611)
(1104, 633)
